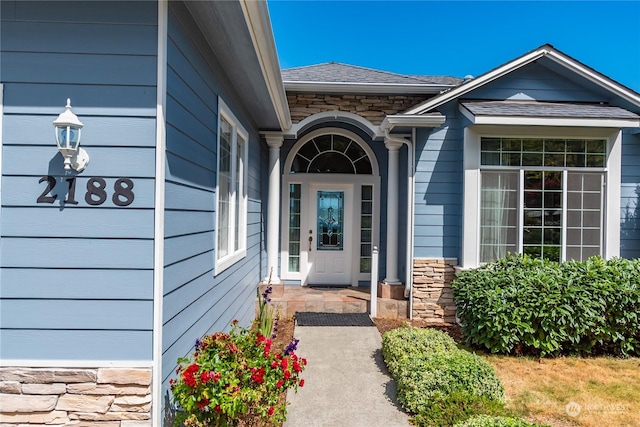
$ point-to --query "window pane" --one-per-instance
(591, 200)
(576, 146)
(224, 188)
(533, 145)
(595, 161)
(497, 221)
(532, 217)
(490, 144)
(597, 146)
(295, 191)
(584, 233)
(323, 143)
(554, 160)
(532, 159)
(366, 232)
(240, 192)
(554, 145)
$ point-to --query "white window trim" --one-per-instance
(470, 253)
(238, 130)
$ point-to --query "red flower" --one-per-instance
(203, 403)
(274, 364)
(287, 375)
(284, 364)
(270, 411)
(232, 348)
(279, 384)
(257, 375)
(297, 367)
(217, 408)
(188, 375)
(301, 383)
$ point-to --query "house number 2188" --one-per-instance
(95, 195)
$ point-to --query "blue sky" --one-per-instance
(457, 38)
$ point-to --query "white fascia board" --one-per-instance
(372, 88)
(549, 121)
(413, 120)
(477, 82)
(256, 15)
(555, 122)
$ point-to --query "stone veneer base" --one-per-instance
(432, 294)
(107, 397)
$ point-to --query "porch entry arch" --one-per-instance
(330, 209)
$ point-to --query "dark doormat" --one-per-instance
(333, 319)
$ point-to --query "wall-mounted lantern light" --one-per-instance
(68, 129)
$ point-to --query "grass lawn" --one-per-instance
(568, 391)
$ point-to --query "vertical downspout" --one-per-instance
(410, 225)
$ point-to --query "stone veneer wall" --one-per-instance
(372, 107)
(432, 293)
(107, 397)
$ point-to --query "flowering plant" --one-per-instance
(230, 376)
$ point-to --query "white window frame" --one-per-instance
(470, 253)
(233, 255)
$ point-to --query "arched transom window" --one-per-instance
(332, 154)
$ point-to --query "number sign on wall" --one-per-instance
(96, 191)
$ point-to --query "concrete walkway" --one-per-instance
(346, 381)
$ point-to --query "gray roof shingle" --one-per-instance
(335, 72)
(547, 109)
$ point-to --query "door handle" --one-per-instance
(310, 240)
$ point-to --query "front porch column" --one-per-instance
(393, 188)
(273, 207)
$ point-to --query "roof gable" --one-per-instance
(544, 53)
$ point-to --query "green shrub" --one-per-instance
(456, 407)
(496, 421)
(406, 342)
(420, 381)
(519, 304)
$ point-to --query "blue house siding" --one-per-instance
(438, 189)
(196, 301)
(535, 81)
(630, 197)
(83, 272)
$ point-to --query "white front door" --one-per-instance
(329, 238)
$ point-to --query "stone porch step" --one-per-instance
(289, 299)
